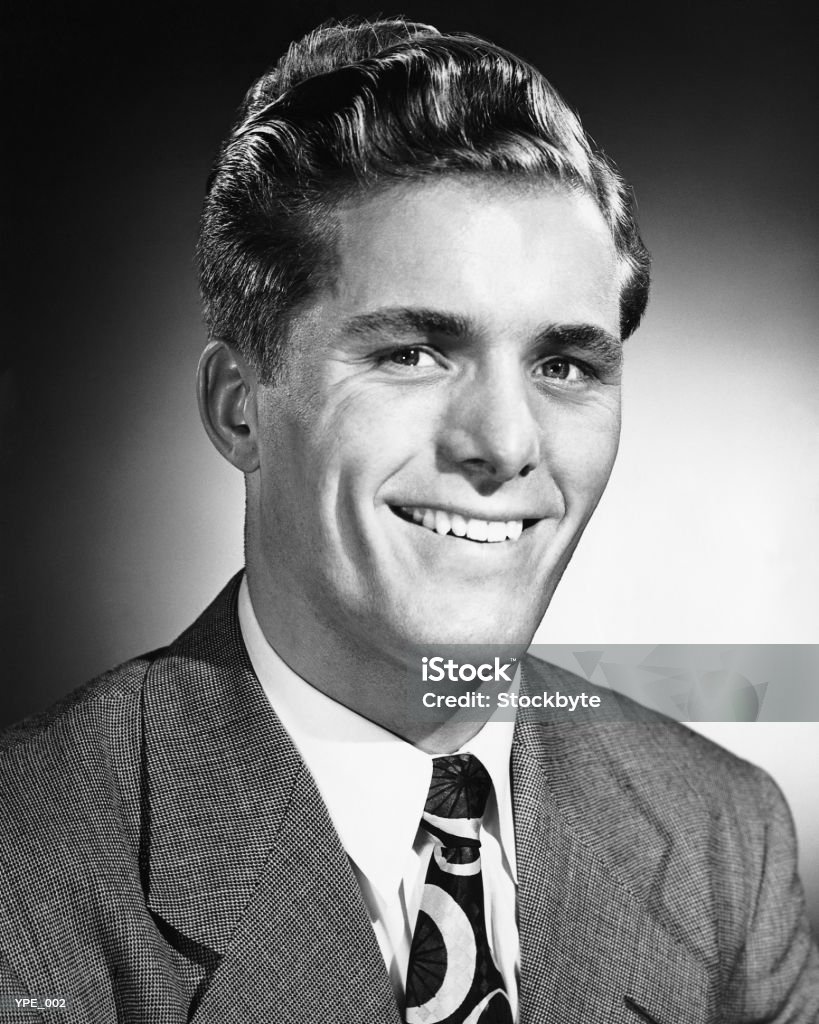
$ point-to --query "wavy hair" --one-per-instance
(355, 107)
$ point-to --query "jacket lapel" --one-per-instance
(589, 950)
(304, 949)
(239, 854)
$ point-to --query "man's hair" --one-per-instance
(357, 107)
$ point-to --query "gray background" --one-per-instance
(119, 522)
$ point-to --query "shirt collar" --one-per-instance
(373, 783)
(493, 748)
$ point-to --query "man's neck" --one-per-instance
(419, 697)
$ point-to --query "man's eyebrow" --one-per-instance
(407, 321)
(594, 340)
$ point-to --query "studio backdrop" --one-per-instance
(119, 520)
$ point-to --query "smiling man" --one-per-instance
(442, 426)
(418, 275)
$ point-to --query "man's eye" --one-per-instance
(411, 357)
(562, 369)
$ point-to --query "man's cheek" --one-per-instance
(588, 461)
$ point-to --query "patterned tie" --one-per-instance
(452, 978)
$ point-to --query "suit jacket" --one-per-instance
(166, 857)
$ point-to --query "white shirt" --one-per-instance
(375, 785)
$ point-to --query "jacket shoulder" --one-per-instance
(72, 771)
(80, 714)
(648, 745)
(701, 837)
(651, 796)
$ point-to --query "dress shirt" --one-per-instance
(375, 786)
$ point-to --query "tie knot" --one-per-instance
(459, 788)
(457, 799)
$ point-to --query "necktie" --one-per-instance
(452, 978)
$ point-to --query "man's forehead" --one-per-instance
(406, 202)
(476, 253)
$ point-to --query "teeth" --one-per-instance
(442, 523)
(459, 525)
(514, 529)
(496, 532)
(477, 529)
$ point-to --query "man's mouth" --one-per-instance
(442, 522)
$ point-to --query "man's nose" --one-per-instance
(492, 430)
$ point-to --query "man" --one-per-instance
(417, 276)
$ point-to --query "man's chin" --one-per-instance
(467, 623)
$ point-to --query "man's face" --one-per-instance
(447, 418)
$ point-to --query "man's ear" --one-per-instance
(226, 389)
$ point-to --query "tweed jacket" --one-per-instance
(165, 857)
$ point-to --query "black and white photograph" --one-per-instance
(409, 536)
